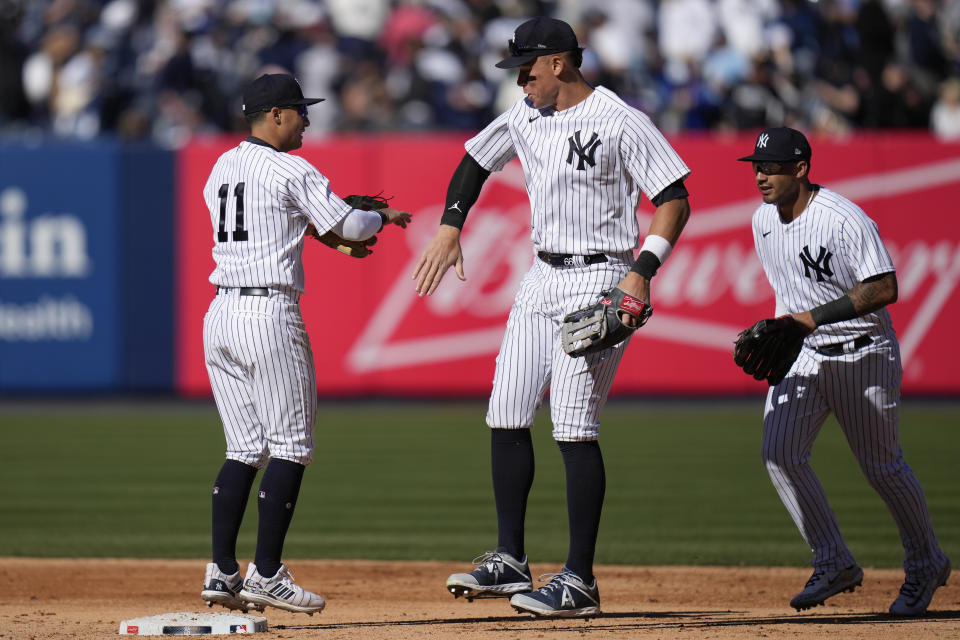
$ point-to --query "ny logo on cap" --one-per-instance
(762, 141)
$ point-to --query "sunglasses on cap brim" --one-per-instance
(518, 51)
(769, 168)
(299, 108)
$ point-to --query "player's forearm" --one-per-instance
(865, 297)
(874, 293)
(359, 225)
(668, 221)
(463, 191)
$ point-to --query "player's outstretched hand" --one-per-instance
(399, 218)
(442, 252)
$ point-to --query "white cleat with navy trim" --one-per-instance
(220, 588)
(565, 596)
(498, 575)
(280, 591)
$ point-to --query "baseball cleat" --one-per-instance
(219, 588)
(916, 594)
(280, 591)
(498, 575)
(566, 595)
(824, 584)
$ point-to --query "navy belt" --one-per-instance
(568, 259)
(845, 347)
(247, 291)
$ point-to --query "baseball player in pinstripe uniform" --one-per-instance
(830, 270)
(262, 201)
(587, 157)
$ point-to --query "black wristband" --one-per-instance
(646, 265)
(834, 311)
(384, 220)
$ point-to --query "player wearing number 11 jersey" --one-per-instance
(262, 201)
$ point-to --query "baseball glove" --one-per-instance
(599, 326)
(353, 248)
(368, 203)
(769, 348)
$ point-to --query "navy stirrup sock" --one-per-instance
(586, 485)
(511, 461)
(230, 493)
(279, 489)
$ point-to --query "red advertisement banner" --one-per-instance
(372, 334)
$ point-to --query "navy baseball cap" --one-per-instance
(779, 144)
(537, 37)
(274, 90)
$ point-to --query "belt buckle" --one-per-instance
(844, 348)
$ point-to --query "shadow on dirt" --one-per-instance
(639, 621)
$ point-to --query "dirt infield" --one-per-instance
(59, 599)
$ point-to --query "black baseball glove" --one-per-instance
(600, 325)
(353, 248)
(368, 203)
(769, 348)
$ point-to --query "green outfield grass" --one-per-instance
(685, 484)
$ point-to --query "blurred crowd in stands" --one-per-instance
(167, 70)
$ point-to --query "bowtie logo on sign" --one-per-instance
(762, 141)
(584, 152)
(715, 261)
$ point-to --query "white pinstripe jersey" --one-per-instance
(584, 166)
(260, 201)
(820, 256)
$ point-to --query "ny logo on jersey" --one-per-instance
(820, 264)
(584, 152)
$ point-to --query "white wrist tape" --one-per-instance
(658, 246)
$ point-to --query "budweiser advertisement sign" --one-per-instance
(372, 334)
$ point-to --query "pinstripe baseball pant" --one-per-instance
(862, 389)
(261, 370)
(532, 359)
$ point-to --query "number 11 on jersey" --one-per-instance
(239, 233)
